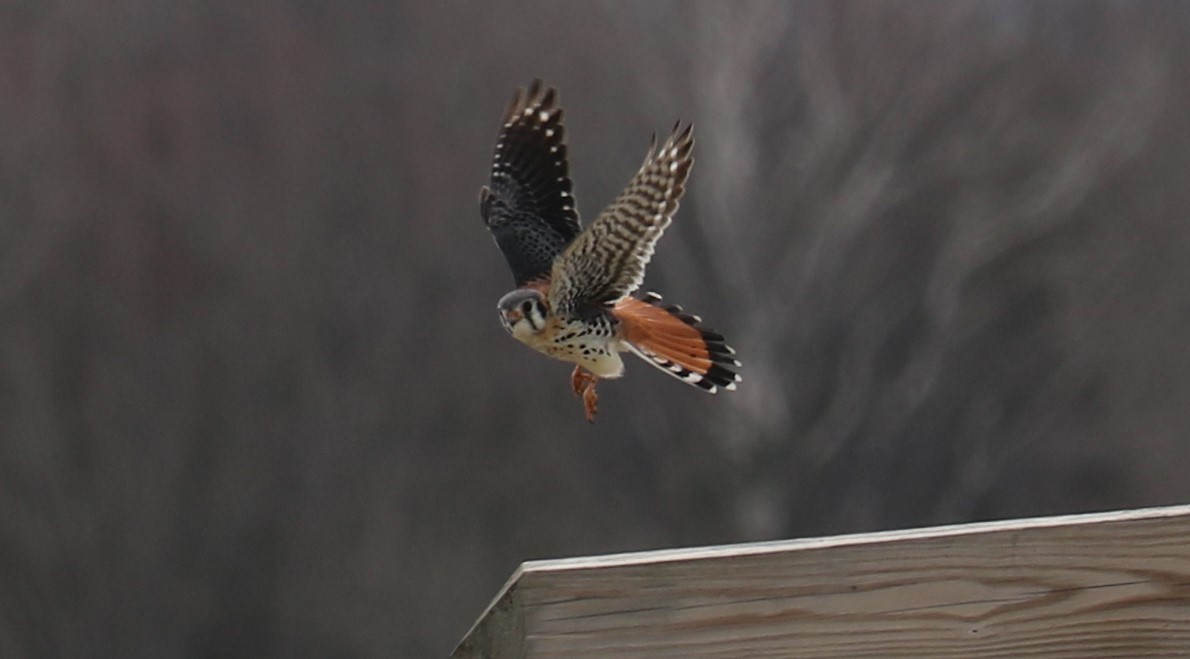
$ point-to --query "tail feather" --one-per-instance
(672, 341)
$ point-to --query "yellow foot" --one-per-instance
(583, 384)
(590, 401)
(580, 380)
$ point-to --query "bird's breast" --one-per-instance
(594, 346)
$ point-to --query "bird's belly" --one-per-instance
(600, 356)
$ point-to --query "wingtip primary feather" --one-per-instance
(526, 99)
(529, 206)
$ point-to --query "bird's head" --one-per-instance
(523, 312)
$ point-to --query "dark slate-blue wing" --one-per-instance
(529, 206)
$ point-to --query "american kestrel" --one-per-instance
(573, 299)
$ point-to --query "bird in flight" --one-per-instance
(573, 299)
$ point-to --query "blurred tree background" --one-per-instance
(255, 400)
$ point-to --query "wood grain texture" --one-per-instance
(1101, 585)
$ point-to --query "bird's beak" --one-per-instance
(510, 317)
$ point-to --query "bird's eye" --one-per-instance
(526, 307)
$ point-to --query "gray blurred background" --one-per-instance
(255, 400)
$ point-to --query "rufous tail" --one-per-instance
(675, 343)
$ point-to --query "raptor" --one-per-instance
(574, 287)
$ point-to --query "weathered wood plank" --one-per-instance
(1100, 585)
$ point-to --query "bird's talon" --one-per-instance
(590, 401)
(580, 380)
(583, 384)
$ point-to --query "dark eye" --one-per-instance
(526, 307)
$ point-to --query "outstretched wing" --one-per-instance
(607, 261)
(528, 206)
